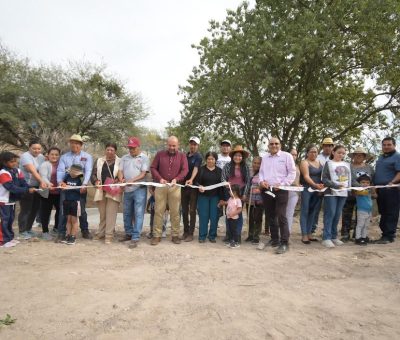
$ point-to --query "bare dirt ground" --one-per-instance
(199, 291)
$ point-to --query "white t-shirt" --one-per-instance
(340, 175)
(222, 161)
(27, 158)
(322, 158)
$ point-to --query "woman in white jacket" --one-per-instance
(105, 171)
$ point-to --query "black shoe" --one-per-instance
(227, 239)
(255, 241)
(66, 239)
(249, 239)
(71, 241)
(212, 240)
(60, 239)
(382, 240)
(367, 239)
(306, 242)
(125, 238)
(357, 240)
(202, 241)
(345, 238)
(363, 242)
(273, 244)
(86, 234)
(283, 248)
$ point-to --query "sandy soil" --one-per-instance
(200, 291)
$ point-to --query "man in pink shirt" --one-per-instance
(168, 167)
(277, 168)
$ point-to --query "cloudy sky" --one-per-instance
(145, 43)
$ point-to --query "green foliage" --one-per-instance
(298, 70)
(7, 321)
(50, 103)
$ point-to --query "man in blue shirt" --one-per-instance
(75, 156)
(188, 194)
(387, 172)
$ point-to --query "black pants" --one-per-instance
(275, 208)
(189, 206)
(46, 205)
(233, 229)
(255, 221)
(347, 216)
(388, 204)
(29, 205)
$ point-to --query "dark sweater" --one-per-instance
(206, 177)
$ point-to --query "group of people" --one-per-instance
(185, 186)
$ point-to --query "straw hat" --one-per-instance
(328, 141)
(360, 150)
(76, 138)
(239, 148)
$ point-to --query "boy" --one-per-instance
(71, 204)
(364, 209)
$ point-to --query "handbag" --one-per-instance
(108, 184)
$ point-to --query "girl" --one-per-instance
(12, 187)
(335, 175)
(233, 209)
(256, 204)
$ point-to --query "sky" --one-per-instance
(147, 44)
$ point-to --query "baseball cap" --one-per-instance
(226, 141)
(133, 142)
(194, 139)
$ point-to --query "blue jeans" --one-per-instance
(134, 207)
(208, 211)
(333, 206)
(62, 223)
(310, 201)
(239, 225)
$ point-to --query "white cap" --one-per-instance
(194, 139)
(226, 141)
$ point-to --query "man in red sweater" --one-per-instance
(168, 167)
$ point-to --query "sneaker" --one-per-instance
(108, 239)
(87, 235)
(212, 240)
(255, 242)
(261, 246)
(383, 240)
(249, 239)
(66, 239)
(47, 237)
(15, 241)
(337, 242)
(133, 244)
(125, 238)
(328, 244)
(32, 233)
(227, 243)
(363, 242)
(25, 235)
(164, 234)
(357, 240)
(9, 244)
(149, 236)
(71, 241)
(234, 245)
(59, 238)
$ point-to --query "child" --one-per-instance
(12, 187)
(71, 204)
(233, 209)
(364, 209)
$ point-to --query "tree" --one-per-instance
(50, 103)
(298, 70)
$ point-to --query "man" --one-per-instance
(133, 169)
(277, 168)
(189, 195)
(223, 157)
(387, 172)
(74, 156)
(169, 166)
(327, 146)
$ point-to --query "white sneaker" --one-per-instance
(261, 246)
(164, 234)
(9, 244)
(47, 237)
(328, 244)
(15, 241)
(337, 242)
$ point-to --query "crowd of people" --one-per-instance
(186, 187)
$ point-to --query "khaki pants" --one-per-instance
(108, 209)
(172, 197)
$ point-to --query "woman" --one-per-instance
(50, 197)
(209, 200)
(336, 174)
(310, 177)
(105, 171)
(293, 195)
(237, 172)
(256, 208)
(358, 168)
(30, 162)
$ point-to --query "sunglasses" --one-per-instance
(274, 143)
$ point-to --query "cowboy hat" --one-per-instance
(358, 150)
(239, 148)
